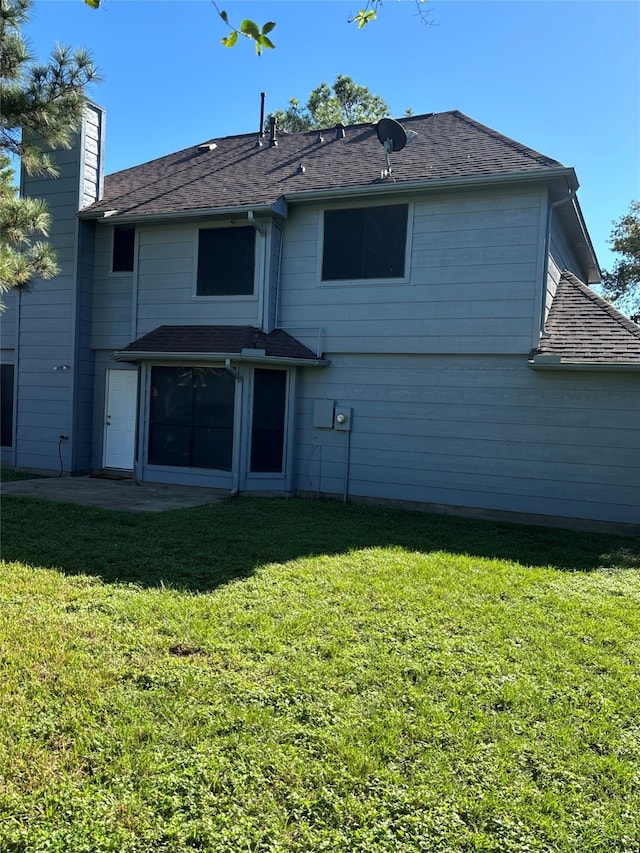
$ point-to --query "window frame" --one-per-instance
(210, 297)
(377, 280)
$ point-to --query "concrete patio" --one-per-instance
(126, 495)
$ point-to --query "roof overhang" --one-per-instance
(277, 210)
(387, 187)
(573, 221)
(216, 358)
(393, 187)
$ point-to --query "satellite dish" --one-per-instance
(391, 134)
(393, 137)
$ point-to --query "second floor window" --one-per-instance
(124, 240)
(226, 261)
(364, 242)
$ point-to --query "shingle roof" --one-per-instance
(585, 329)
(236, 172)
(219, 340)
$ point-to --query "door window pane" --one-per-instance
(267, 432)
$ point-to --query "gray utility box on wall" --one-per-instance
(327, 416)
(323, 414)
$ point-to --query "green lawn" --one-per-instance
(273, 675)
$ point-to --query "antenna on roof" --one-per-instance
(393, 137)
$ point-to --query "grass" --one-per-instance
(10, 475)
(273, 675)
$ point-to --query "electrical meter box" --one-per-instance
(343, 418)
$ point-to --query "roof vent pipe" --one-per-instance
(272, 132)
(339, 131)
(261, 131)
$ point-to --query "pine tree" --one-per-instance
(345, 102)
(41, 108)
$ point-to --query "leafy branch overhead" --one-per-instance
(249, 29)
(259, 35)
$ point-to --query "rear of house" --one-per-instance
(291, 319)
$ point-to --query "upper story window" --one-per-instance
(124, 240)
(226, 261)
(364, 242)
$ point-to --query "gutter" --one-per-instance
(397, 187)
(278, 207)
(554, 363)
(133, 357)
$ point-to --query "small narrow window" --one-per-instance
(267, 429)
(6, 405)
(226, 261)
(364, 242)
(124, 238)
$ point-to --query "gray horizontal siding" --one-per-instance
(475, 264)
(160, 290)
(50, 320)
(476, 432)
(8, 321)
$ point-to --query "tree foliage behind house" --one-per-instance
(345, 101)
(621, 285)
(42, 105)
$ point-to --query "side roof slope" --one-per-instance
(237, 172)
(585, 329)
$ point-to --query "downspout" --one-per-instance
(347, 462)
(262, 264)
(547, 248)
(135, 284)
(232, 371)
(279, 278)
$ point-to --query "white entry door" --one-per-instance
(120, 419)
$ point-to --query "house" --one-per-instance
(315, 313)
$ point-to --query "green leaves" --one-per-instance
(93, 3)
(621, 285)
(249, 29)
(231, 39)
(363, 17)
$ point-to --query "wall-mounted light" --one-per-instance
(62, 367)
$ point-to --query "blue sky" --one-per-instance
(560, 77)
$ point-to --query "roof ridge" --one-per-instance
(512, 143)
(256, 133)
(602, 303)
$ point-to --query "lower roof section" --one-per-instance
(584, 331)
(218, 343)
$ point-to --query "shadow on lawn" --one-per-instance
(198, 549)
